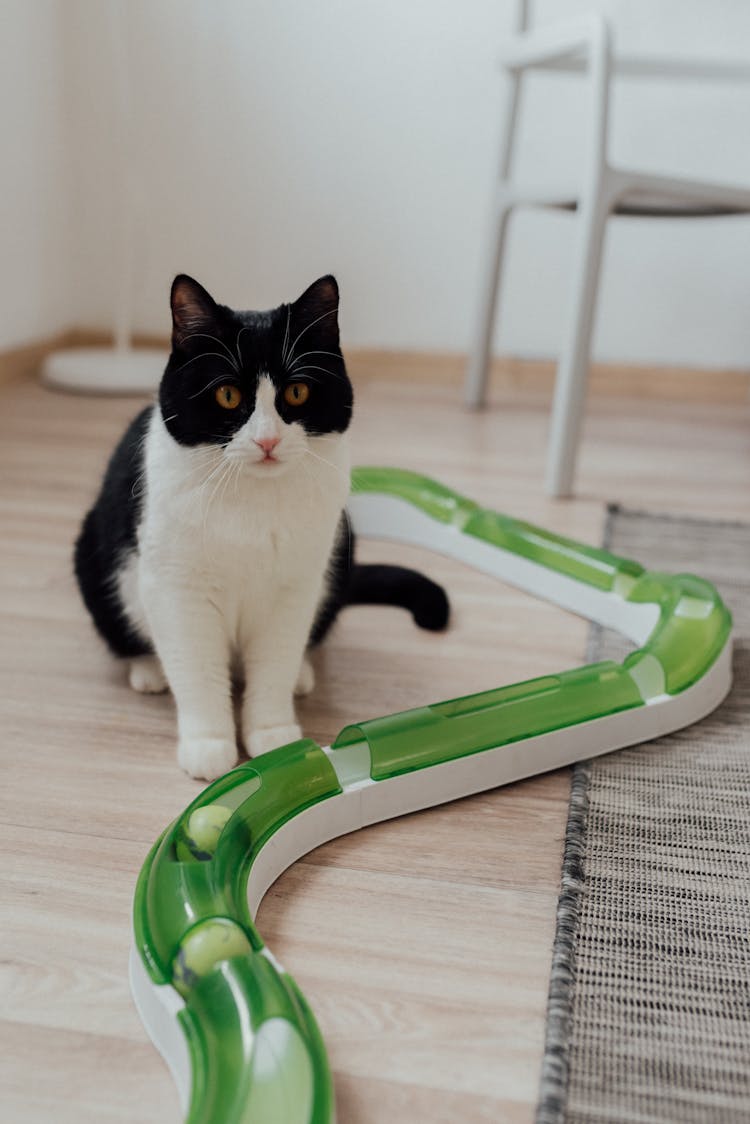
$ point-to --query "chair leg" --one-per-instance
(477, 373)
(572, 371)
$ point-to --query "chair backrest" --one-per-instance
(583, 44)
(556, 40)
(521, 15)
(630, 20)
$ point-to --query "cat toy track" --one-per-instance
(237, 1033)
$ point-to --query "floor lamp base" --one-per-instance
(102, 370)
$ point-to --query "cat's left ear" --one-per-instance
(193, 309)
(319, 306)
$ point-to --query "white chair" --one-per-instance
(602, 190)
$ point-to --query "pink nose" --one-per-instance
(267, 444)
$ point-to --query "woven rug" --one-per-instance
(649, 1000)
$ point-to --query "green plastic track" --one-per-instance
(256, 1052)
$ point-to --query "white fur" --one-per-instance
(230, 569)
(126, 585)
(147, 675)
(305, 680)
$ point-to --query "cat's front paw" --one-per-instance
(147, 675)
(305, 679)
(260, 741)
(206, 758)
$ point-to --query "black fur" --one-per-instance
(355, 584)
(212, 345)
(108, 532)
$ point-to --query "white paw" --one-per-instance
(305, 679)
(147, 675)
(206, 758)
(260, 741)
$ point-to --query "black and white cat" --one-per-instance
(219, 547)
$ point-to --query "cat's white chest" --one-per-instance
(239, 542)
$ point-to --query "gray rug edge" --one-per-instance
(560, 1073)
(553, 1082)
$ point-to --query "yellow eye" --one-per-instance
(228, 396)
(296, 394)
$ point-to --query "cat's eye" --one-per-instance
(296, 394)
(228, 396)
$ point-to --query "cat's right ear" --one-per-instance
(193, 309)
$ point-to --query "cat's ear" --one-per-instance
(193, 309)
(319, 306)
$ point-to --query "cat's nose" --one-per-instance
(267, 444)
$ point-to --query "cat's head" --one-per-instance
(262, 385)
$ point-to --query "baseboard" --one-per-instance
(507, 374)
(510, 374)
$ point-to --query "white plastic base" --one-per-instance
(103, 370)
(159, 1008)
(378, 516)
(364, 801)
(368, 802)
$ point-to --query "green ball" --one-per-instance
(206, 945)
(203, 828)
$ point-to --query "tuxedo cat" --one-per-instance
(218, 548)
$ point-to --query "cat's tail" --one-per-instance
(395, 585)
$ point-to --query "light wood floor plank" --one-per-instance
(422, 944)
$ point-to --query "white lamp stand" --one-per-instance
(120, 369)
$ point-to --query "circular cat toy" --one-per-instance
(237, 1033)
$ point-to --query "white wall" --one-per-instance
(36, 286)
(671, 292)
(275, 142)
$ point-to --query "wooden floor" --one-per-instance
(422, 944)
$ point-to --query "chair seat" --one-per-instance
(660, 67)
(649, 196)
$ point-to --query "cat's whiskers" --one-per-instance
(208, 336)
(135, 490)
(207, 450)
(211, 461)
(224, 488)
(221, 470)
(204, 459)
(212, 477)
(293, 370)
(307, 378)
(330, 464)
(286, 336)
(206, 355)
(237, 473)
(319, 485)
(214, 382)
(309, 474)
(330, 312)
(333, 354)
(246, 328)
(314, 480)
